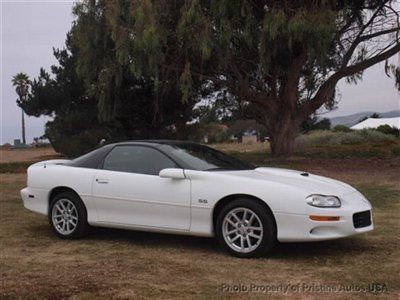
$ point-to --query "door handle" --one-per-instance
(102, 180)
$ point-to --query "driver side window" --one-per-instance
(137, 159)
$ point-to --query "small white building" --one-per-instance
(375, 123)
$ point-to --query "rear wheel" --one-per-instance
(246, 228)
(68, 216)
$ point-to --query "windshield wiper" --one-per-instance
(229, 169)
(217, 169)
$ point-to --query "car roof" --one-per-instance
(155, 142)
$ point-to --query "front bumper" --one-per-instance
(299, 227)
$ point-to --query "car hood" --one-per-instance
(312, 184)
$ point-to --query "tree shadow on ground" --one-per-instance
(350, 246)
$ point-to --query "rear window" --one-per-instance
(90, 160)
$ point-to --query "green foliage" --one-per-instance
(343, 138)
(21, 83)
(283, 59)
(111, 81)
(324, 124)
(359, 144)
(341, 128)
(387, 129)
(283, 32)
(315, 124)
(210, 132)
(220, 137)
(137, 78)
(216, 133)
(71, 135)
(75, 128)
(136, 69)
(219, 108)
(239, 127)
(396, 151)
(393, 69)
(375, 116)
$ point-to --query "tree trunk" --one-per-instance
(23, 128)
(282, 138)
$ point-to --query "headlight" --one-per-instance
(323, 201)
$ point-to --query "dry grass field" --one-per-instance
(34, 264)
(28, 154)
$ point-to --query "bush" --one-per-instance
(329, 138)
(387, 129)
(75, 144)
(238, 127)
(220, 137)
(341, 128)
(313, 123)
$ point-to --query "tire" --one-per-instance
(68, 216)
(231, 234)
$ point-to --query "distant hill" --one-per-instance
(353, 119)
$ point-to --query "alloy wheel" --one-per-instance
(242, 230)
(64, 216)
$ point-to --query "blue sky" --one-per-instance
(30, 29)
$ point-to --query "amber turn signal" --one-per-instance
(324, 218)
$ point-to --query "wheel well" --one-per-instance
(222, 202)
(58, 190)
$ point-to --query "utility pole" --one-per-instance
(23, 128)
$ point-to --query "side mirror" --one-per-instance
(172, 173)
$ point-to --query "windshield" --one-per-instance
(202, 158)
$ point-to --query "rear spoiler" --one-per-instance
(50, 162)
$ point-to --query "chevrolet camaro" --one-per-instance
(187, 188)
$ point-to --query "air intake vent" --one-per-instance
(362, 219)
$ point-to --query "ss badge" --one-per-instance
(203, 201)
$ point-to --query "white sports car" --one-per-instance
(187, 188)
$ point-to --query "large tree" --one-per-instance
(61, 95)
(144, 64)
(95, 92)
(284, 58)
(123, 67)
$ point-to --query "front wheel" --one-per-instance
(246, 228)
(68, 216)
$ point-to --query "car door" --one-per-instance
(128, 190)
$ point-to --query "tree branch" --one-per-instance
(376, 34)
(347, 71)
(358, 39)
(325, 91)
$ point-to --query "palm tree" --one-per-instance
(21, 82)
